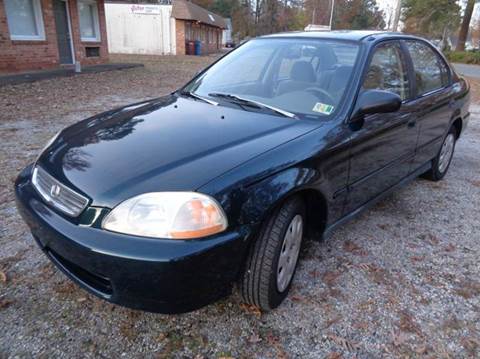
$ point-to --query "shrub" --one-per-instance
(466, 57)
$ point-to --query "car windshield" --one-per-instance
(291, 77)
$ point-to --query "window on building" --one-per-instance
(211, 36)
(92, 51)
(25, 19)
(188, 31)
(88, 15)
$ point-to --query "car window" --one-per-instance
(294, 55)
(306, 77)
(388, 71)
(252, 64)
(344, 55)
(431, 72)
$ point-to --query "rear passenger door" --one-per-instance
(383, 148)
(433, 101)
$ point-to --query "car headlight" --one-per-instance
(179, 215)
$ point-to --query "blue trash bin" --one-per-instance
(198, 48)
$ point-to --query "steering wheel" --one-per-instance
(321, 95)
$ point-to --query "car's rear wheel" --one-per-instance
(441, 163)
(273, 258)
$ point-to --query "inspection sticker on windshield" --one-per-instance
(323, 108)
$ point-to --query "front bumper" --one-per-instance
(157, 275)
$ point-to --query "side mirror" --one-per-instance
(376, 101)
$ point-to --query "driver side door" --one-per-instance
(382, 149)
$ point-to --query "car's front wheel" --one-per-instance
(273, 258)
(441, 163)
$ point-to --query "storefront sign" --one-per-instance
(145, 9)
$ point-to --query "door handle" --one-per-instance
(411, 123)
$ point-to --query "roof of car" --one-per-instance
(353, 35)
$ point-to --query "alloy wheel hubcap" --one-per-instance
(446, 152)
(288, 257)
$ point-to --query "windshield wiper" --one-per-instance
(198, 97)
(257, 104)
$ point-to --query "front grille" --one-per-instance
(57, 194)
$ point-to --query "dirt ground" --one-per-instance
(401, 280)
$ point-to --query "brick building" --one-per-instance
(42, 34)
(192, 23)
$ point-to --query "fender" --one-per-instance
(264, 196)
(305, 164)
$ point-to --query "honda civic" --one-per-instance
(166, 204)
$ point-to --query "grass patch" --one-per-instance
(465, 57)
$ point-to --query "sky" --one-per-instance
(388, 7)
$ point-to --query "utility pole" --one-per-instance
(396, 18)
(331, 14)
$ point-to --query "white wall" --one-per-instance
(140, 29)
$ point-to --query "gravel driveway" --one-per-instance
(401, 280)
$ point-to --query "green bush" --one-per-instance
(466, 57)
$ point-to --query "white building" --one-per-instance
(168, 29)
(140, 29)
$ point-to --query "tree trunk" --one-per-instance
(444, 43)
(462, 36)
(396, 18)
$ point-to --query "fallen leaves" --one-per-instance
(351, 247)
(251, 309)
(330, 277)
(377, 274)
(468, 289)
(421, 349)
(471, 345)
(65, 288)
(274, 341)
(5, 302)
(475, 183)
(408, 324)
(450, 247)
(429, 238)
(334, 355)
(254, 338)
(417, 259)
(343, 342)
(331, 322)
(354, 248)
(297, 298)
(399, 338)
(3, 277)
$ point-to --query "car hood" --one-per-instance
(167, 144)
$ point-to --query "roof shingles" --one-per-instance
(186, 10)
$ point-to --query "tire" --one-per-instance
(261, 284)
(441, 162)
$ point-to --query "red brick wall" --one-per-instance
(200, 32)
(80, 45)
(36, 55)
(180, 36)
(209, 47)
